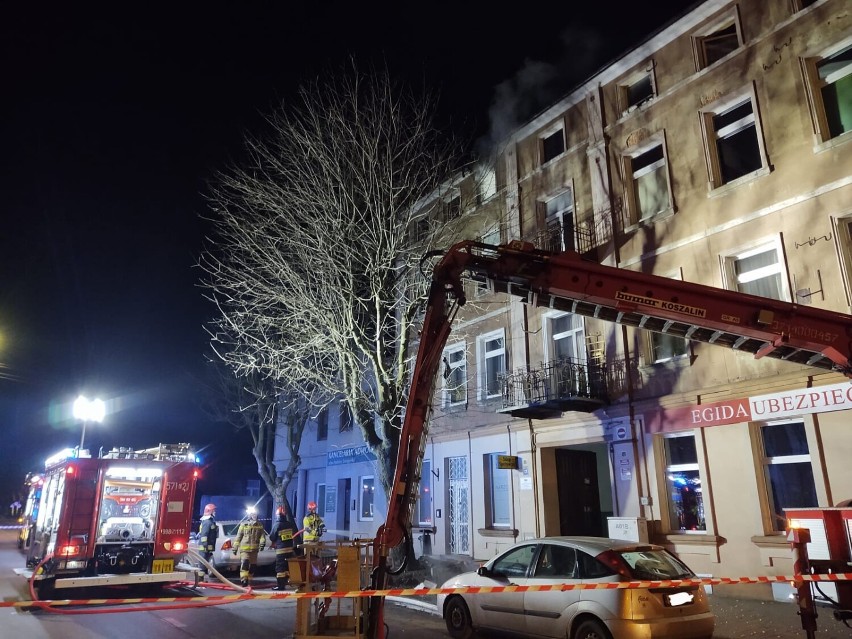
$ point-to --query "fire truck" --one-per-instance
(761, 326)
(121, 518)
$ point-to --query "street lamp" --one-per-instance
(88, 411)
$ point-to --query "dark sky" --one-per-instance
(113, 120)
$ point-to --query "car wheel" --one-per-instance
(458, 620)
(591, 629)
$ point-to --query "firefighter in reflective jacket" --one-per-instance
(250, 538)
(208, 533)
(312, 524)
(282, 540)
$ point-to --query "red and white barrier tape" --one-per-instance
(419, 592)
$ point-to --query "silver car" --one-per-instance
(223, 557)
(680, 612)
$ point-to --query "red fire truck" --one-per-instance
(122, 518)
(761, 326)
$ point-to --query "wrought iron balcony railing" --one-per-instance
(554, 388)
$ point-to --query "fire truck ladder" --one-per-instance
(762, 326)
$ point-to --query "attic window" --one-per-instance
(552, 145)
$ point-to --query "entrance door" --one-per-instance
(579, 500)
(459, 514)
(344, 505)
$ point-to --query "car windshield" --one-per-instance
(655, 564)
(231, 529)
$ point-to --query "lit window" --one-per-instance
(559, 220)
(758, 271)
(499, 496)
(424, 501)
(552, 145)
(717, 43)
(491, 351)
(787, 469)
(367, 498)
(734, 141)
(829, 80)
(649, 187)
(683, 484)
(486, 179)
(455, 375)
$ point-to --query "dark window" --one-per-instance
(322, 425)
(718, 44)
(345, 417)
(552, 146)
(736, 142)
(789, 473)
(556, 562)
(835, 77)
(516, 562)
(591, 568)
(640, 91)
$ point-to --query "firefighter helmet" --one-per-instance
(281, 512)
(312, 505)
(209, 509)
(252, 514)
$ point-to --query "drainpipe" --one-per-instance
(534, 455)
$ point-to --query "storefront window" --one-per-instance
(788, 470)
(683, 482)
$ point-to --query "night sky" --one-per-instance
(113, 121)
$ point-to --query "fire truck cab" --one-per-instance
(121, 518)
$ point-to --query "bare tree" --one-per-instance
(254, 403)
(311, 263)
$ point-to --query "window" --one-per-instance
(452, 209)
(829, 80)
(491, 356)
(683, 484)
(552, 145)
(666, 347)
(567, 337)
(734, 143)
(556, 562)
(322, 425)
(498, 505)
(758, 271)
(419, 231)
(787, 469)
(798, 5)
(345, 417)
(455, 375)
(320, 499)
(516, 562)
(367, 495)
(559, 221)
(717, 42)
(637, 91)
(648, 193)
(486, 179)
(424, 501)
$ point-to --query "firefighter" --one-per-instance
(282, 540)
(312, 524)
(208, 533)
(251, 537)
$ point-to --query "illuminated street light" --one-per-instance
(88, 411)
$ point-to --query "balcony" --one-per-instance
(556, 387)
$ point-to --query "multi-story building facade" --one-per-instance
(719, 151)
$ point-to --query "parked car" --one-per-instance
(680, 612)
(223, 558)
